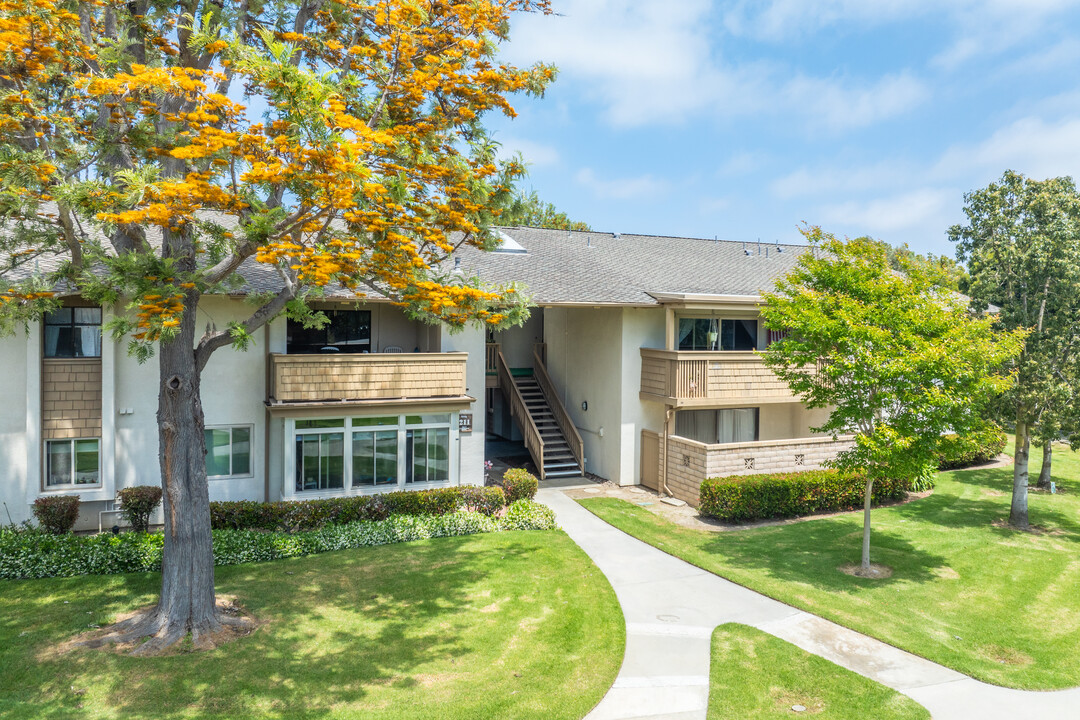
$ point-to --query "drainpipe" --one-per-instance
(663, 468)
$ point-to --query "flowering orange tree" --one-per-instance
(151, 151)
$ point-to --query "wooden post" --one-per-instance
(669, 418)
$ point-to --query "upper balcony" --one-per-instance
(684, 378)
(367, 379)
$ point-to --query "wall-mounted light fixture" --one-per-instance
(585, 405)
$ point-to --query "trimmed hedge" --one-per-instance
(32, 553)
(976, 448)
(519, 484)
(757, 497)
(57, 513)
(137, 503)
(294, 515)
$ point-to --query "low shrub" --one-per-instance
(519, 484)
(924, 481)
(484, 500)
(32, 553)
(528, 515)
(57, 513)
(960, 451)
(136, 505)
(755, 497)
(296, 515)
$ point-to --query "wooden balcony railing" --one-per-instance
(365, 377)
(685, 378)
(491, 364)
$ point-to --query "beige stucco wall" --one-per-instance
(585, 363)
(594, 357)
(471, 449)
(233, 391)
(517, 343)
(13, 451)
(641, 327)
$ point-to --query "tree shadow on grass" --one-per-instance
(812, 552)
(987, 503)
(338, 626)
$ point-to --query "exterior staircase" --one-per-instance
(558, 460)
(550, 436)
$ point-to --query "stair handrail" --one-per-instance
(520, 412)
(562, 417)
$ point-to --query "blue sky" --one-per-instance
(743, 119)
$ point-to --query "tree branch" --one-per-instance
(213, 341)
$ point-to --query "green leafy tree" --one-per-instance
(897, 359)
(945, 271)
(1022, 246)
(529, 210)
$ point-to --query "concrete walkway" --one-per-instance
(672, 607)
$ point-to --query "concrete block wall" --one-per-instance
(690, 462)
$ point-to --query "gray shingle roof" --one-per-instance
(599, 268)
(583, 267)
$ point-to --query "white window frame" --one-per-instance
(251, 452)
(290, 492)
(67, 487)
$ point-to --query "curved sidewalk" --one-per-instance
(672, 607)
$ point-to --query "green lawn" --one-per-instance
(755, 676)
(999, 605)
(499, 625)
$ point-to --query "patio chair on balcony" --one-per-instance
(392, 349)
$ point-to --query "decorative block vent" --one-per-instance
(686, 461)
(800, 459)
(748, 463)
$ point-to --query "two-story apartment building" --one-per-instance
(638, 365)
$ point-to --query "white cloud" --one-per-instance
(646, 62)
(928, 209)
(654, 64)
(835, 105)
(535, 154)
(837, 180)
(1031, 146)
(741, 163)
(713, 205)
(779, 20)
(621, 188)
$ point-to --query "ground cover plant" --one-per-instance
(755, 676)
(966, 590)
(504, 625)
(33, 553)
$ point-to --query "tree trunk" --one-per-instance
(187, 604)
(866, 525)
(1045, 471)
(187, 571)
(1018, 515)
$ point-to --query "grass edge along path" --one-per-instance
(481, 626)
(967, 592)
(755, 676)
